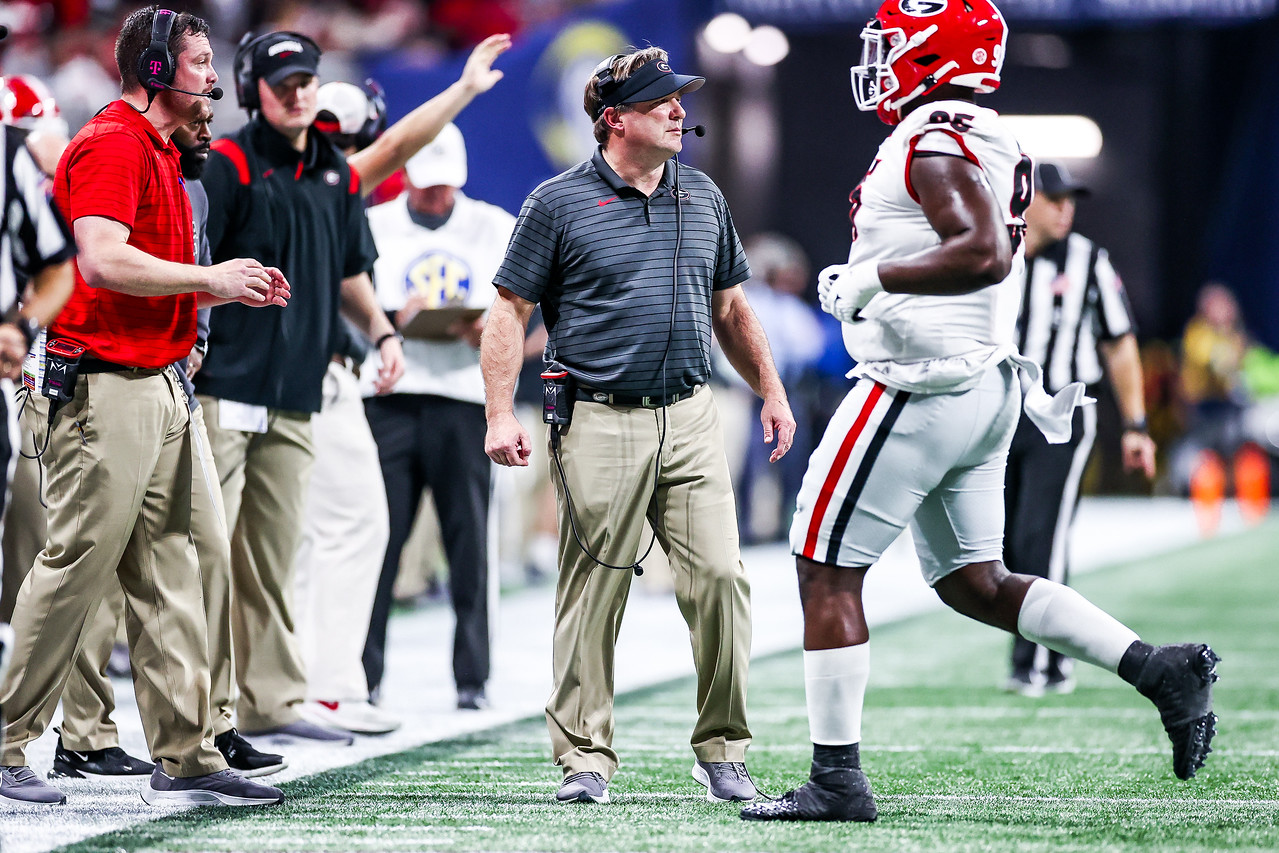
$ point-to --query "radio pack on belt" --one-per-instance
(557, 397)
(61, 367)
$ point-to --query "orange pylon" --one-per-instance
(1252, 482)
(1208, 490)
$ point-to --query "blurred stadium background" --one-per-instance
(1167, 109)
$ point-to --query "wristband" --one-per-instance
(1138, 425)
(201, 346)
(378, 343)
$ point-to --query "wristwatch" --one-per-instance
(201, 346)
(1137, 425)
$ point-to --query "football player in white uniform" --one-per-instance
(929, 300)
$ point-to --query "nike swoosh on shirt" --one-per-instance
(605, 201)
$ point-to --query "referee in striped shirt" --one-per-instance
(634, 260)
(1076, 323)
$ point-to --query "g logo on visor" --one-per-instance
(663, 67)
(922, 8)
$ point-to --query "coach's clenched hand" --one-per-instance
(246, 281)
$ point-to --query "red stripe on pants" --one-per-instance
(837, 469)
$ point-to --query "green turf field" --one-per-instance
(955, 763)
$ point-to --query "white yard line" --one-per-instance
(653, 648)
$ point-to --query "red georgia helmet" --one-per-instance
(911, 47)
(25, 101)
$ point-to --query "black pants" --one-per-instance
(437, 443)
(1041, 492)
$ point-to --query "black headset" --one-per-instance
(246, 78)
(156, 68)
(605, 83)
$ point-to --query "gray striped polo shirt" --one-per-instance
(599, 256)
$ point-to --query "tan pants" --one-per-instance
(119, 469)
(264, 484)
(609, 455)
(88, 701)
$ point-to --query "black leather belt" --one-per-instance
(592, 395)
(88, 364)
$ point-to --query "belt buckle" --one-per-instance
(647, 402)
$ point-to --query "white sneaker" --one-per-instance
(352, 716)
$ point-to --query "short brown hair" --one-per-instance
(622, 67)
(135, 38)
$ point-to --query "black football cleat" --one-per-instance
(1178, 679)
(831, 793)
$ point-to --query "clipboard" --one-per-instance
(433, 324)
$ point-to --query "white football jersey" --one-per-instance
(453, 265)
(956, 336)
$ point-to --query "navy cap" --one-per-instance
(278, 55)
(650, 82)
(1053, 179)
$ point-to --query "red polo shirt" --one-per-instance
(119, 167)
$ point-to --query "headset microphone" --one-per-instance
(697, 130)
(215, 95)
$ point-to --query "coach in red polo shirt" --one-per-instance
(119, 456)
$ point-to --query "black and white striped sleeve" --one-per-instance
(1114, 312)
(38, 235)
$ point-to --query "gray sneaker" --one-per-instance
(224, 788)
(583, 788)
(725, 781)
(23, 785)
(303, 730)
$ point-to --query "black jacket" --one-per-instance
(301, 212)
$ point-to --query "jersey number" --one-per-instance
(1023, 192)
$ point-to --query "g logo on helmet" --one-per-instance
(922, 8)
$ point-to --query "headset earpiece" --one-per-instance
(246, 84)
(605, 84)
(155, 66)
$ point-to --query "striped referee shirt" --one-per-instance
(1072, 300)
(599, 256)
(33, 235)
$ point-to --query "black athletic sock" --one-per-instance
(845, 756)
(1133, 660)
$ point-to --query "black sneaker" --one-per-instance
(110, 763)
(1178, 679)
(224, 788)
(831, 793)
(244, 759)
(471, 699)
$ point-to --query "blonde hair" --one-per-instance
(622, 68)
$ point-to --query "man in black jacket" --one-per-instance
(291, 195)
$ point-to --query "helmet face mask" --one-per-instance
(911, 47)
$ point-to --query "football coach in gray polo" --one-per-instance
(634, 260)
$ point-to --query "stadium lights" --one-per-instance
(1056, 137)
(767, 46)
(730, 33)
(727, 33)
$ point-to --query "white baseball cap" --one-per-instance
(442, 162)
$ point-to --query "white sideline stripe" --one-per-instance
(653, 649)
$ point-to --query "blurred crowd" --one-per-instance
(70, 43)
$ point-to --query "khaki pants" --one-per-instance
(88, 701)
(119, 470)
(264, 484)
(343, 542)
(609, 454)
